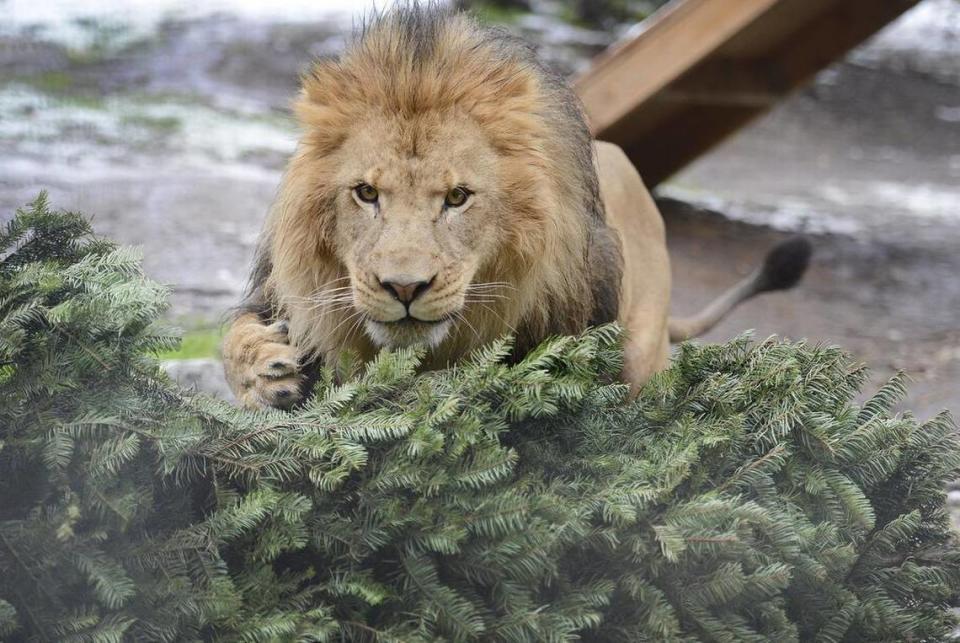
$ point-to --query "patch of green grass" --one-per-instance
(197, 344)
(161, 124)
(601, 14)
(106, 39)
(492, 14)
(85, 101)
(54, 82)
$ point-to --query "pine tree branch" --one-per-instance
(521, 498)
(739, 474)
(37, 584)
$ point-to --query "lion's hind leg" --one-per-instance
(261, 366)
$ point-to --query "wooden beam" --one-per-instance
(676, 39)
(724, 81)
(704, 68)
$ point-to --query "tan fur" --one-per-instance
(419, 105)
(645, 286)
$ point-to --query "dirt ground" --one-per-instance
(867, 163)
(878, 303)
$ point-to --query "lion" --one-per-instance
(446, 191)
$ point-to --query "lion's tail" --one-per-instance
(782, 269)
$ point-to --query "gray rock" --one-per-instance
(203, 375)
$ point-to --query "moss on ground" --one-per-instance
(196, 344)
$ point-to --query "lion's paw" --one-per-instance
(262, 367)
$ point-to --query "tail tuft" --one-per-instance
(784, 266)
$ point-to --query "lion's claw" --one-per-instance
(279, 368)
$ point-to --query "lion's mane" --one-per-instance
(419, 60)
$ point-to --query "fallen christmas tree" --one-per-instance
(742, 497)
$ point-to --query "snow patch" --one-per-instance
(789, 214)
(81, 24)
(923, 201)
(924, 39)
(932, 26)
(948, 114)
(125, 135)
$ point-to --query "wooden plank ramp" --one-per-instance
(702, 69)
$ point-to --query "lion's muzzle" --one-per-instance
(406, 309)
(405, 288)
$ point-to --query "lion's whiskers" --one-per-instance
(333, 281)
(338, 303)
(488, 287)
(482, 300)
(356, 325)
(355, 316)
(321, 291)
(332, 300)
(486, 292)
(459, 316)
(498, 316)
(318, 299)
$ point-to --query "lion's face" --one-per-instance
(443, 194)
(417, 215)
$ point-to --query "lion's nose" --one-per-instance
(405, 289)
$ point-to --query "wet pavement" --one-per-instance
(173, 136)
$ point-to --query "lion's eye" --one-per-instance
(456, 197)
(367, 193)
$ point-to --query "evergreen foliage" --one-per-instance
(743, 497)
